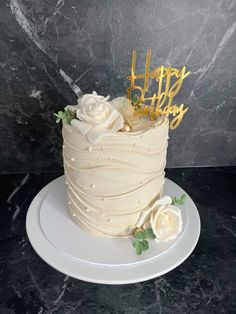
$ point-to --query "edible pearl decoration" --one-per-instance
(89, 148)
(126, 128)
(72, 159)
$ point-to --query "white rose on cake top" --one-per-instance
(96, 117)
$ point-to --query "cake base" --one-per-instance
(71, 250)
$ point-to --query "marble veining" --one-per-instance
(51, 52)
(204, 283)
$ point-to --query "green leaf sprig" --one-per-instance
(65, 116)
(179, 201)
(140, 243)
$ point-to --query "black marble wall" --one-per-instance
(52, 51)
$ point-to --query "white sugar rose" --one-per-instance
(97, 118)
(166, 222)
(164, 219)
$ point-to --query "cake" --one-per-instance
(114, 154)
(112, 181)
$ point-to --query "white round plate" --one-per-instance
(69, 249)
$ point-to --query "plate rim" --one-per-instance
(89, 272)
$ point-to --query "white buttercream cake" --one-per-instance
(114, 164)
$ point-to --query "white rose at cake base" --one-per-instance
(166, 222)
(111, 180)
(164, 219)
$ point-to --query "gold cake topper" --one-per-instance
(160, 102)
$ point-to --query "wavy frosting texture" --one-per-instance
(110, 183)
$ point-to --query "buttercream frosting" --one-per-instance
(110, 183)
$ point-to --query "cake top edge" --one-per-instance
(97, 116)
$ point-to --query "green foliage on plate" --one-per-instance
(140, 234)
(150, 234)
(140, 243)
(179, 201)
(65, 116)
